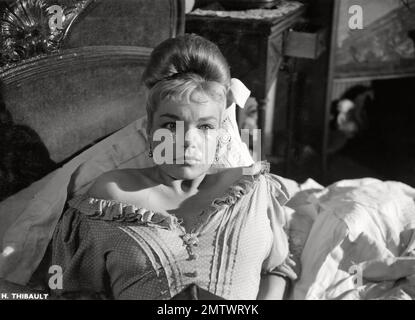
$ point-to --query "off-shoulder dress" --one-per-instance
(120, 251)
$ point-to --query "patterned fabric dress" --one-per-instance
(119, 251)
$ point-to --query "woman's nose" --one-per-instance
(192, 138)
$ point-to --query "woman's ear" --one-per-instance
(149, 135)
(147, 126)
(149, 143)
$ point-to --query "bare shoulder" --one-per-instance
(113, 184)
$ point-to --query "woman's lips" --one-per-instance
(187, 160)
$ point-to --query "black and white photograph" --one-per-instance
(232, 151)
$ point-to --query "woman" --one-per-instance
(151, 233)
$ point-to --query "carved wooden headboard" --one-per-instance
(70, 69)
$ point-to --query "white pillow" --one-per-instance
(126, 149)
(33, 213)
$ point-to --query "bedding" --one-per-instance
(360, 244)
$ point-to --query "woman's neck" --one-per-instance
(179, 186)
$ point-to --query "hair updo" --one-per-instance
(180, 66)
(186, 54)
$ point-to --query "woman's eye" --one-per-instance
(170, 126)
(205, 127)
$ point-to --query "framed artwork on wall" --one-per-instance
(370, 40)
(374, 39)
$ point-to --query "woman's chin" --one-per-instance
(187, 171)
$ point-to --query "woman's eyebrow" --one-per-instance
(170, 115)
(208, 118)
(173, 116)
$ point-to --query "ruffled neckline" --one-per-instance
(113, 210)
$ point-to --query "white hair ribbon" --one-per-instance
(234, 153)
(240, 92)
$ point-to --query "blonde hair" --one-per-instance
(189, 88)
(183, 66)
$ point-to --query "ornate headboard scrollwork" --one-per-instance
(29, 28)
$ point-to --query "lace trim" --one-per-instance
(112, 210)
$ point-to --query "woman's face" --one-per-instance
(184, 136)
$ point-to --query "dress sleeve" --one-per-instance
(81, 258)
(278, 259)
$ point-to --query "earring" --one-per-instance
(217, 153)
(150, 152)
